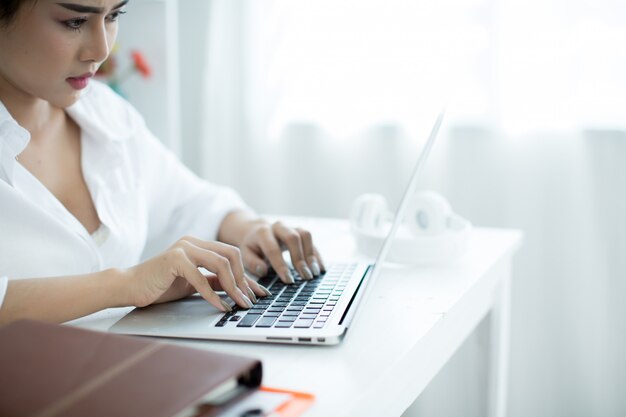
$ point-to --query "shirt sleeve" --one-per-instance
(4, 281)
(178, 202)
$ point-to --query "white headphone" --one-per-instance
(430, 232)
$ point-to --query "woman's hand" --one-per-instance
(174, 274)
(263, 245)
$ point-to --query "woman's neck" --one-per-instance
(33, 114)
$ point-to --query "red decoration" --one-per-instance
(140, 64)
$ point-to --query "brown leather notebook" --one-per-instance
(51, 370)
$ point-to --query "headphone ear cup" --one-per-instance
(369, 214)
(428, 215)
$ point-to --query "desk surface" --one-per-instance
(402, 335)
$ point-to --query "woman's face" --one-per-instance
(53, 47)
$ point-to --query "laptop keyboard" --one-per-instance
(304, 304)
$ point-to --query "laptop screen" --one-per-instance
(406, 197)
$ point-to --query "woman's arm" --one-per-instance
(61, 299)
(170, 275)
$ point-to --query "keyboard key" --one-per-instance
(235, 318)
(266, 321)
(271, 314)
(291, 313)
(318, 325)
(249, 320)
(284, 324)
(295, 308)
(308, 316)
(303, 323)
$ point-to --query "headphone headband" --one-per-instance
(430, 232)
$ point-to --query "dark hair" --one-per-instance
(9, 9)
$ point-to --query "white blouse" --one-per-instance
(143, 195)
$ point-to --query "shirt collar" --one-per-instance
(102, 113)
(13, 140)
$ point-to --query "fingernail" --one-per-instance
(265, 290)
(307, 272)
(252, 296)
(289, 276)
(260, 270)
(227, 308)
(247, 301)
(315, 268)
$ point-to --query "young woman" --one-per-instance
(84, 186)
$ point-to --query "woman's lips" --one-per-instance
(80, 82)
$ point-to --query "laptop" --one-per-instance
(314, 312)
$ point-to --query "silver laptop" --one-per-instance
(319, 311)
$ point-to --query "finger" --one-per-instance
(319, 259)
(251, 262)
(272, 251)
(221, 266)
(292, 240)
(236, 263)
(234, 257)
(191, 273)
(309, 250)
(214, 282)
(258, 289)
(254, 262)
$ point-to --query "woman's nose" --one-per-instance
(97, 46)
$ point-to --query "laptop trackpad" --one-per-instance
(190, 314)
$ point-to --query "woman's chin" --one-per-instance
(66, 100)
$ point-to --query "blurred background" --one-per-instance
(304, 105)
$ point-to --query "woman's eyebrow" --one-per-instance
(80, 8)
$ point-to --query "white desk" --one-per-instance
(413, 322)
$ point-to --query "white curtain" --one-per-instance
(308, 104)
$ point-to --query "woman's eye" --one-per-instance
(75, 24)
(115, 15)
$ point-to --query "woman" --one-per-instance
(84, 186)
